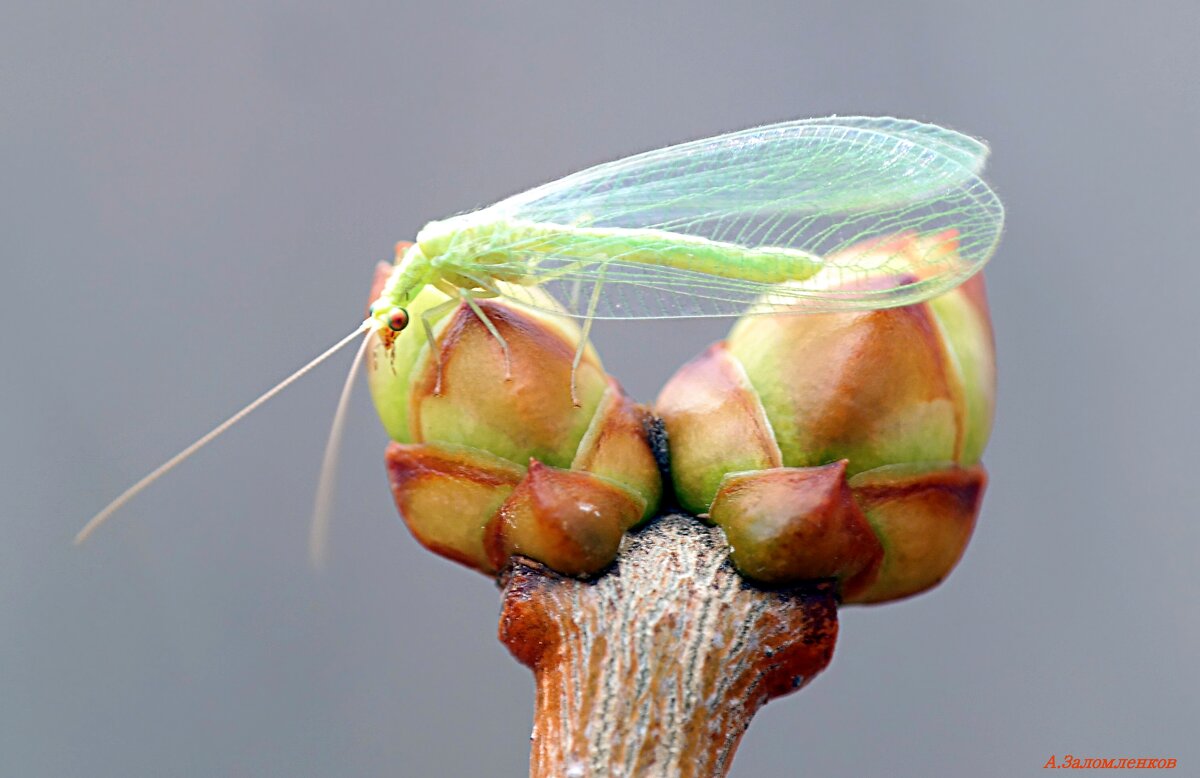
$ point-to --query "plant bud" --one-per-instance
(903, 397)
(491, 456)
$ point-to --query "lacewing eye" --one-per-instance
(398, 320)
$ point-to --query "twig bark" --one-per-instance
(656, 667)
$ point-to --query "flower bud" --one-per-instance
(910, 388)
(492, 455)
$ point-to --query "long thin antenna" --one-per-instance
(318, 537)
(171, 463)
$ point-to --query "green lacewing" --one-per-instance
(772, 219)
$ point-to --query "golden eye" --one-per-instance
(398, 320)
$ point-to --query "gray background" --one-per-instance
(193, 200)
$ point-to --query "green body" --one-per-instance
(467, 250)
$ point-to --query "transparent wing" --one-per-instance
(804, 166)
(896, 209)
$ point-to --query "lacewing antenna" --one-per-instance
(318, 538)
(210, 436)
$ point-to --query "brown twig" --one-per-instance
(656, 667)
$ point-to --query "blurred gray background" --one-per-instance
(193, 200)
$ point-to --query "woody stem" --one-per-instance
(657, 667)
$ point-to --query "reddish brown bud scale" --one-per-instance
(570, 521)
(446, 496)
(794, 524)
(925, 516)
